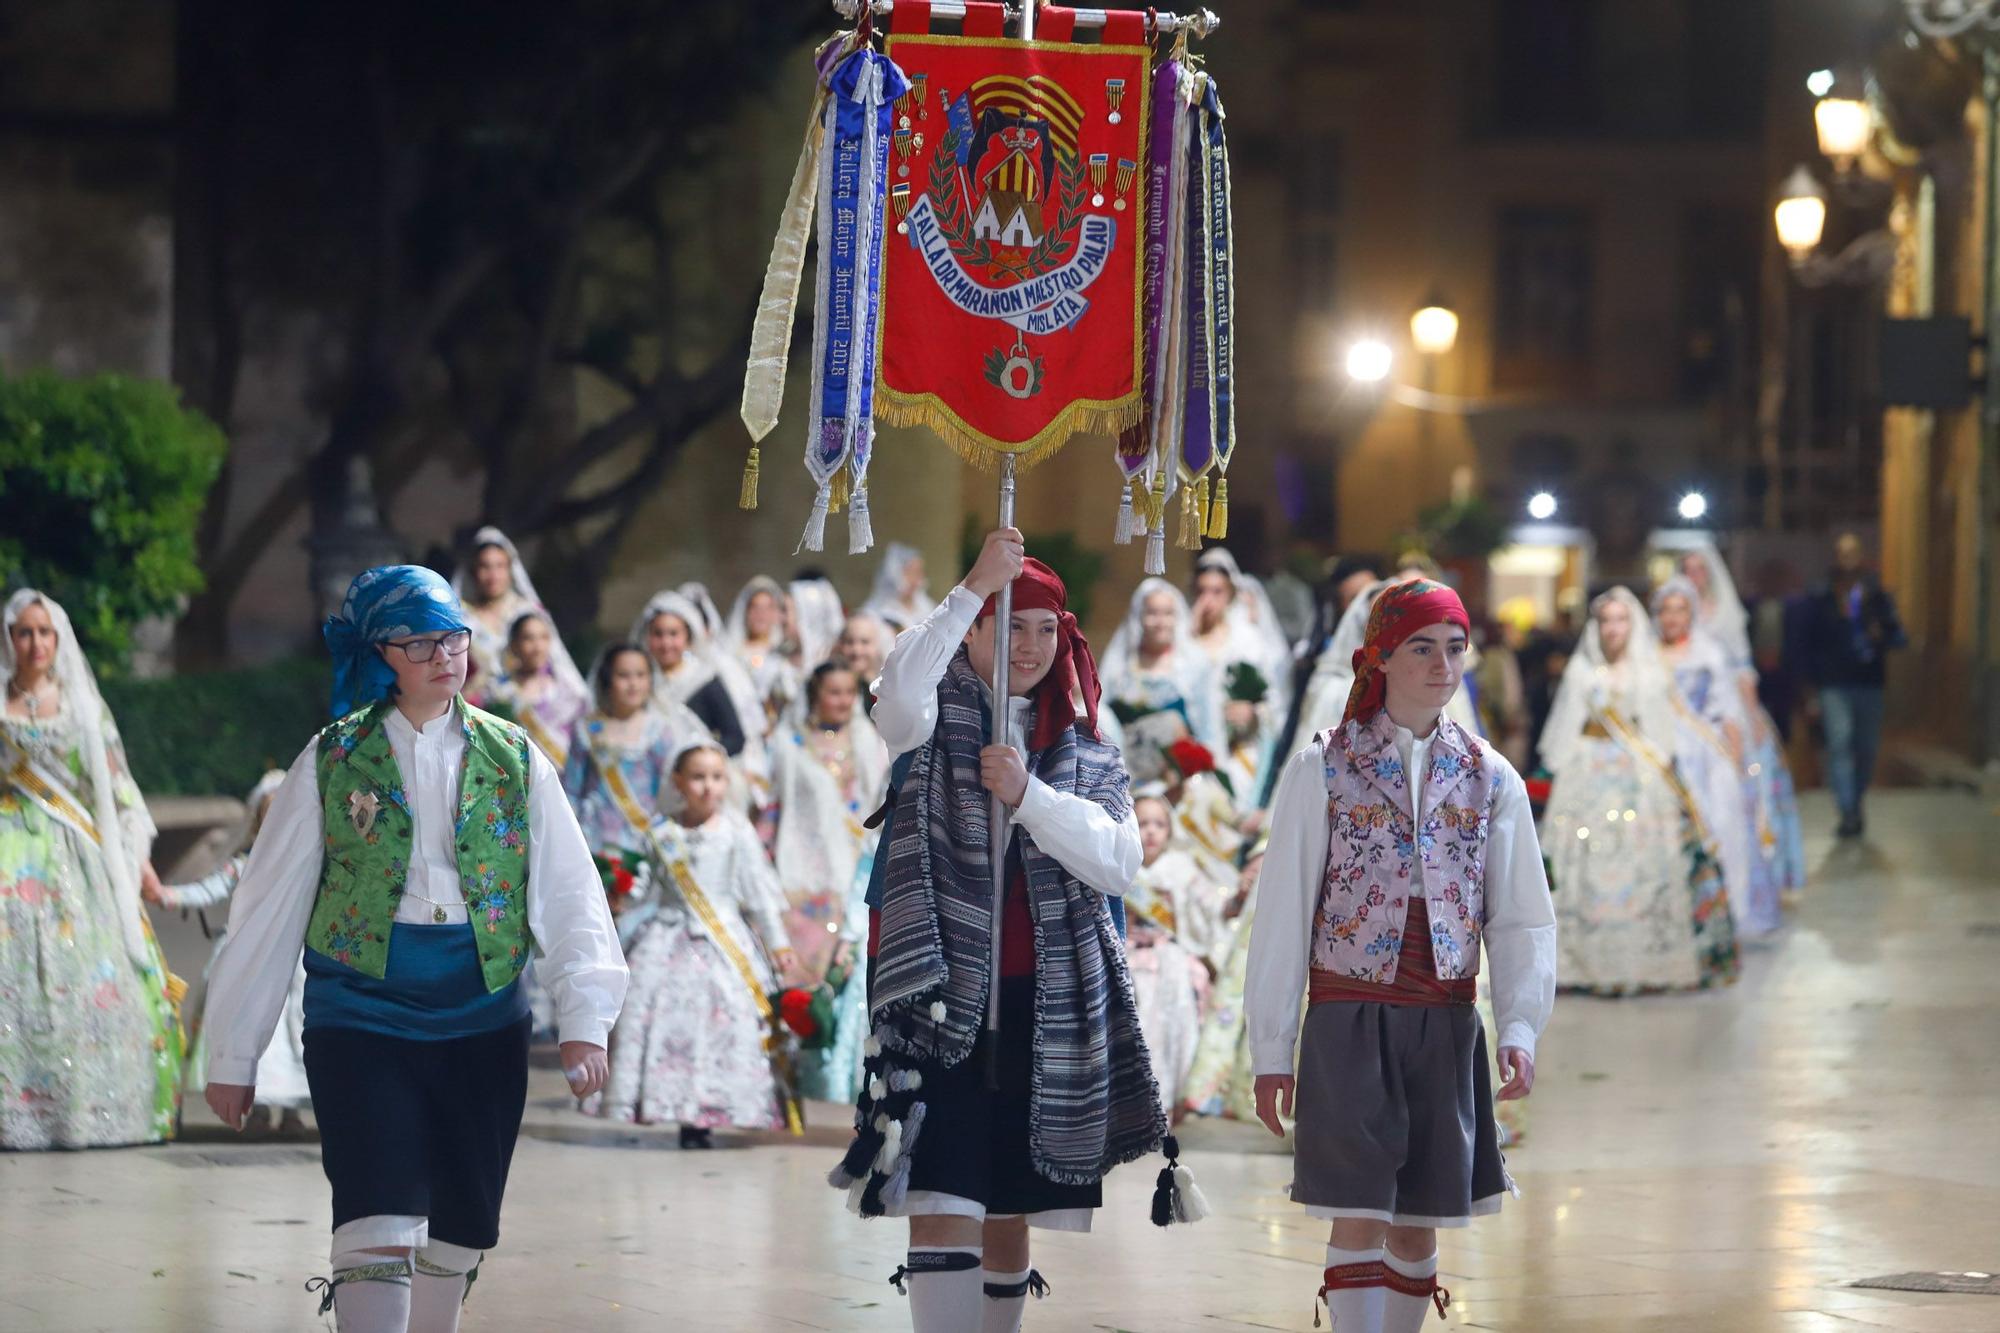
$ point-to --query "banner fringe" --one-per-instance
(982, 452)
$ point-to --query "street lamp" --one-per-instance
(1844, 122)
(1434, 326)
(1801, 214)
(1541, 506)
(1369, 360)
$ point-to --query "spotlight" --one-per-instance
(1541, 506)
(1694, 506)
(1368, 361)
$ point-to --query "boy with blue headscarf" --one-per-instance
(421, 851)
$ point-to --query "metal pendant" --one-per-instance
(437, 915)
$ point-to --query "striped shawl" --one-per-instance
(1095, 1102)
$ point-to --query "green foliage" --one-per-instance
(1458, 530)
(1074, 563)
(1245, 684)
(215, 733)
(103, 481)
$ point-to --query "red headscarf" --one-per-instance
(1037, 588)
(1400, 610)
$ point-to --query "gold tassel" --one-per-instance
(1190, 533)
(1156, 511)
(747, 497)
(1218, 517)
(837, 495)
(1201, 507)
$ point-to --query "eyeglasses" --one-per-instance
(423, 650)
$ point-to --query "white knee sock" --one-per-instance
(946, 1287)
(369, 1293)
(437, 1293)
(1007, 1299)
(1406, 1301)
(1352, 1290)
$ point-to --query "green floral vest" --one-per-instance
(368, 830)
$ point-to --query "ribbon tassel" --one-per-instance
(1190, 519)
(1218, 516)
(746, 498)
(860, 529)
(814, 537)
(1122, 534)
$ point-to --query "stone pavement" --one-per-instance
(1719, 1163)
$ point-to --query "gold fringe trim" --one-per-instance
(1218, 516)
(984, 452)
(747, 497)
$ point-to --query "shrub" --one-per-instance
(215, 733)
(103, 481)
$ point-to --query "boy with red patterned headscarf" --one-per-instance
(1398, 845)
(997, 1096)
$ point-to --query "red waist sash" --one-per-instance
(1416, 983)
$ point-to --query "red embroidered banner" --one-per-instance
(1011, 305)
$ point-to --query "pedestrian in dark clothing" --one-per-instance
(1845, 632)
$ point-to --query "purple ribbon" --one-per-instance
(1198, 423)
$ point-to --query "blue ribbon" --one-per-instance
(854, 252)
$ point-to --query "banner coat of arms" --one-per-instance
(1011, 268)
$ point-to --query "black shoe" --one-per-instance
(1850, 827)
(693, 1136)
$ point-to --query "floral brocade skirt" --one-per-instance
(689, 1045)
(90, 1041)
(1640, 899)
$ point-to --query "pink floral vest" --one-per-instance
(1373, 857)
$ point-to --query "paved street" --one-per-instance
(1724, 1162)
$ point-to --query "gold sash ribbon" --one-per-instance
(777, 304)
(1623, 732)
(49, 796)
(557, 752)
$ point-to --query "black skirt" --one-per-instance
(974, 1141)
(419, 1128)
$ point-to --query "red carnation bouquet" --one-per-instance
(625, 875)
(808, 1010)
(1190, 756)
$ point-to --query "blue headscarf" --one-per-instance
(384, 603)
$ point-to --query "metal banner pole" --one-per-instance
(1003, 647)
